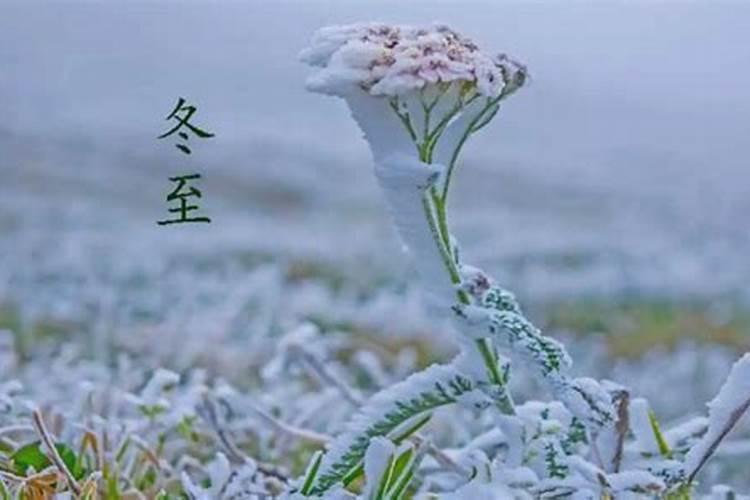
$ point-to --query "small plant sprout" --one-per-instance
(419, 95)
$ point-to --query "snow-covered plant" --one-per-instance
(419, 94)
(296, 381)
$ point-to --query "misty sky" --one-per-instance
(638, 111)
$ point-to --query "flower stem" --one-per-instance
(438, 224)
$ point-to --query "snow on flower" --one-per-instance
(389, 60)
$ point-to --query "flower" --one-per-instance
(387, 60)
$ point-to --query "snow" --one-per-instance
(390, 60)
(724, 410)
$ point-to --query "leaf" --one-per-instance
(312, 472)
(4, 493)
(725, 410)
(659, 436)
(31, 455)
(400, 464)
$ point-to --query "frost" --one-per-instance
(405, 180)
(224, 482)
(387, 413)
(724, 411)
(479, 490)
(152, 395)
(393, 60)
(639, 421)
(636, 481)
(377, 458)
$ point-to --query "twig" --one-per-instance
(304, 434)
(622, 400)
(234, 453)
(728, 426)
(53, 454)
(325, 375)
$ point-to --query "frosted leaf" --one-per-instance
(303, 335)
(724, 411)
(636, 481)
(589, 471)
(218, 472)
(480, 490)
(475, 400)
(388, 412)
(641, 426)
(378, 455)
(685, 434)
(153, 392)
(587, 400)
(223, 482)
(514, 433)
(515, 333)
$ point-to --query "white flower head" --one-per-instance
(392, 60)
(411, 90)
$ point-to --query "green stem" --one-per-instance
(472, 127)
(438, 225)
(445, 256)
(441, 220)
(405, 120)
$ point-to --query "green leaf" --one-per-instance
(658, 436)
(405, 475)
(4, 493)
(312, 472)
(31, 455)
(384, 480)
(27, 456)
(401, 463)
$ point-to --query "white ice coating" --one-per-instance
(391, 60)
(376, 461)
(723, 412)
(686, 432)
(381, 127)
(225, 482)
(584, 397)
(635, 480)
(153, 392)
(384, 402)
(640, 424)
(404, 180)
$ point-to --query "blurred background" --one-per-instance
(612, 194)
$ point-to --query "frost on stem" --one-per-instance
(496, 314)
(405, 181)
(417, 94)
